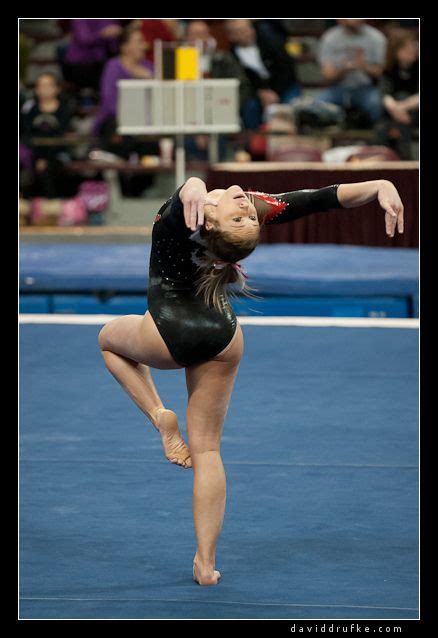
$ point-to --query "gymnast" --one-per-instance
(198, 239)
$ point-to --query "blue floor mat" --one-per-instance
(275, 269)
(320, 450)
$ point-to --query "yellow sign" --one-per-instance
(187, 63)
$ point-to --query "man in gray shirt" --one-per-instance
(352, 58)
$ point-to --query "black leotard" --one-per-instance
(193, 331)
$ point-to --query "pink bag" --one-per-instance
(74, 212)
(95, 195)
(58, 212)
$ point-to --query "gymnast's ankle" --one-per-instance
(204, 565)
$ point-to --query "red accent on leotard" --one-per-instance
(277, 206)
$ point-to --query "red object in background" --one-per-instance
(217, 30)
(257, 146)
(155, 30)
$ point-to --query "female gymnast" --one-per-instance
(198, 239)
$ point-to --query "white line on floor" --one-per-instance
(221, 602)
(310, 322)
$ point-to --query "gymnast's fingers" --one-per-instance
(390, 220)
(389, 224)
(400, 220)
(201, 213)
(187, 208)
(193, 214)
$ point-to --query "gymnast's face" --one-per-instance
(230, 210)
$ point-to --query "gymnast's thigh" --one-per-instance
(137, 338)
(210, 385)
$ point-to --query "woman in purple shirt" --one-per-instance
(130, 64)
(92, 43)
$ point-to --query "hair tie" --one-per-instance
(219, 264)
(239, 267)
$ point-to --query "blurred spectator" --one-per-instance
(46, 116)
(273, 29)
(165, 30)
(214, 64)
(198, 31)
(267, 66)
(399, 85)
(92, 43)
(129, 64)
(352, 58)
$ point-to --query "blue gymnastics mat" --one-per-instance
(299, 305)
(274, 269)
(314, 280)
(320, 447)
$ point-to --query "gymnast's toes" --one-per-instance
(175, 448)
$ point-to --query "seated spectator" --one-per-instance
(198, 32)
(218, 65)
(92, 43)
(214, 62)
(165, 30)
(129, 64)
(269, 69)
(399, 85)
(352, 58)
(273, 29)
(47, 115)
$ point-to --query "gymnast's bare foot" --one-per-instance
(205, 574)
(175, 449)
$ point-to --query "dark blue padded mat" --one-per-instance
(320, 450)
(277, 269)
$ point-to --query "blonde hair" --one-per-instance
(217, 285)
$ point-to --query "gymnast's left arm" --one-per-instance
(286, 207)
(354, 195)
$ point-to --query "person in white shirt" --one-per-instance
(352, 59)
(268, 67)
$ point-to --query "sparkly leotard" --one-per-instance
(193, 331)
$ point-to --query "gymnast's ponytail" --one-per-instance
(220, 274)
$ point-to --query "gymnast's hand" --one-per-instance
(194, 197)
(360, 193)
(390, 201)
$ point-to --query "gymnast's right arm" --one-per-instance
(193, 196)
